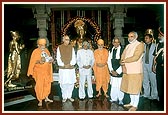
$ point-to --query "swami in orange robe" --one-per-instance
(40, 68)
(100, 68)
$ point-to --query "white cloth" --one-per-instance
(117, 53)
(134, 99)
(115, 82)
(115, 92)
(119, 70)
(85, 58)
(46, 56)
(66, 90)
(66, 76)
(82, 80)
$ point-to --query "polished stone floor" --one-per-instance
(97, 104)
(25, 101)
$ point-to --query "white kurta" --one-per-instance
(115, 82)
(67, 77)
(84, 58)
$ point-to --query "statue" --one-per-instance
(14, 61)
(80, 29)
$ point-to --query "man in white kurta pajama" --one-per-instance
(85, 61)
(116, 71)
(132, 65)
(66, 60)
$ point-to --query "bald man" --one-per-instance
(100, 68)
(40, 68)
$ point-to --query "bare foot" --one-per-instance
(98, 94)
(40, 103)
(106, 95)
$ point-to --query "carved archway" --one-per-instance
(88, 20)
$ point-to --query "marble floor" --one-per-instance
(26, 101)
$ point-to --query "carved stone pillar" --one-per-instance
(41, 13)
(118, 14)
(62, 18)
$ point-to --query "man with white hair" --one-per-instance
(40, 68)
(85, 61)
(115, 71)
(132, 67)
(66, 60)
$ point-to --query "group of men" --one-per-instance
(121, 67)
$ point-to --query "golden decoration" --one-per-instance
(79, 23)
(90, 21)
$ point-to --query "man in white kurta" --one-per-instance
(131, 61)
(66, 60)
(85, 61)
(116, 71)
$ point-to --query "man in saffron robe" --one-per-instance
(40, 68)
(100, 68)
(132, 65)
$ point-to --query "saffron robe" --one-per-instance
(101, 74)
(42, 74)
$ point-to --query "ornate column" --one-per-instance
(93, 15)
(53, 32)
(108, 28)
(78, 13)
(99, 18)
(68, 15)
(41, 13)
(62, 18)
(83, 13)
(118, 14)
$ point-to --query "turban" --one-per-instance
(161, 31)
(100, 41)
(41, 41)
(149, 31)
